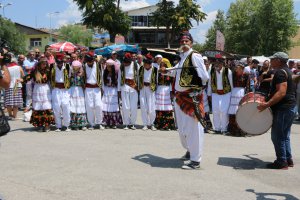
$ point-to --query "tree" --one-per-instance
(277, 25)
(198, 47)
(14, 39)
(219, 24)
(164, 16)
(104, 14)
(159, 19)
(186, 11)
(241, 30)
(260, 27)
(76, 34)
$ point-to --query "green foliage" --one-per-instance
(260, 27)
(76, 34)
(219, 24)
(15, 40)
(186, 11)
(199, 47)
(104, 14)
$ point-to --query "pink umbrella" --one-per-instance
(63, 46)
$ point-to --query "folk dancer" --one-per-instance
(240, 83)
(42, 114)
(191, 75)
(77, 101)
(147, 87)
(219, 91)
(111, 110)
(60, 84)
(164, 109)
(93, 74)
(128, 90)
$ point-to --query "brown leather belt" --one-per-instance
(146, 84)
(87, 85)
(60, 85)
(220, 92)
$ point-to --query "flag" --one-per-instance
(220, 41)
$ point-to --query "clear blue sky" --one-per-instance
(35, 13)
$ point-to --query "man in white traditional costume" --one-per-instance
(191, 76)
(219, 90)
(93, 96)
(147, 87)
(128, 90)
(60, 83)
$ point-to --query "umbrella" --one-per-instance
(119, 48)
(64, 46)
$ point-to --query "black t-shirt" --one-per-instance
(289, 101)
(265, 87)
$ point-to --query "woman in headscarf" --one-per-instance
(111, 111)
(77, 101)
(164, 110)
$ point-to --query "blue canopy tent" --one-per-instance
(119, 48)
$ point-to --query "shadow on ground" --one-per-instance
(250, 163)
(272, 196)
(156, 161)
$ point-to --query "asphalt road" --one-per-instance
(141, 165)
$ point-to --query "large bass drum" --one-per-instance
(250, 119)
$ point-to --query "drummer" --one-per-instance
(283, 104)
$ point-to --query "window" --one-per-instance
(139, 20)
(35, 42)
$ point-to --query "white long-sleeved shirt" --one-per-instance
(59, 74)
(91, 74)
(197, 62)
(129, 74)
(219, 77)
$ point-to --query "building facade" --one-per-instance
(36, 38)
(143, 32)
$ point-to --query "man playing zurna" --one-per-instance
(191, 76)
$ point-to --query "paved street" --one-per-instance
(120, 164)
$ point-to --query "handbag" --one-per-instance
(4, 125)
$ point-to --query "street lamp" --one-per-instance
(50, 31)
(3, 6)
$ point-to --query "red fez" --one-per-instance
(89, 57)
(127, 57)
(148, 58)
(60, 56)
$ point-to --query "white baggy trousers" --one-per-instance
(61, 107)
(147, 102)
(93, 104)
(191, 134)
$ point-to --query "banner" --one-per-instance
(220, 41)
(119, 39)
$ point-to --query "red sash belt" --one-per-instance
(220, 92)
(131, 83)
(87, 85)
(185, 102)
(60, 85)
